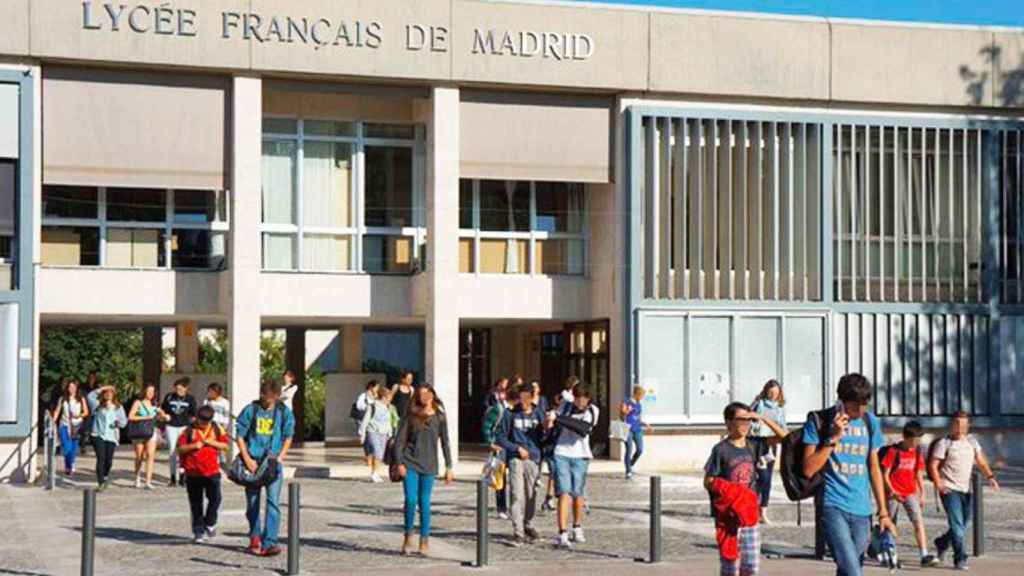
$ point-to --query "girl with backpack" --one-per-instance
(770, 405)
(375, 428)
(70, 414)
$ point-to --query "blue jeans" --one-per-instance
(848, 536)
(635, 439)
(268, 534)
(958, 513)
(68, 447)
(418, 491)
(571, 476)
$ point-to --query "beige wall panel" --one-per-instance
(465, 255)
(58, 32)
(119, 248)
(619, 50)
(384, 20)
(739, 56)
(290, 100)
(1008, 67)
(910, 65)
(106, 292)
(61, 248)
(14, 14)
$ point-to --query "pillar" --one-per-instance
(350, 349)
(442, 321)
(186, 347)
(295, 360)
(244, 251)
(152, 355)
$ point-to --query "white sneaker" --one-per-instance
(138, 482)
(562, 540)
(577, 535)
(375, 479)
(502, 516)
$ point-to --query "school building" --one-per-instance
(692, 201)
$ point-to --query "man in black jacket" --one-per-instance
(180, 410)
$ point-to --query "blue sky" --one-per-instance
(989, 12)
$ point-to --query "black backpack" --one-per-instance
(355, 413)
(800, 487)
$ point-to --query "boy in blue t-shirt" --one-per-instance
(632, 414)
(264, 430)
(847, 450)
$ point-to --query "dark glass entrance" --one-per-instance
(474, 381)
(586, 357)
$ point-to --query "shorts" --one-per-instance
(911, 504)
(571, 475)
(375, 445)
(748, 563)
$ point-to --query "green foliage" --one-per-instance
(316, 401)
(116, 355)
(272, 363)
(213, 353)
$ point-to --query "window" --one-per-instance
(351, 204)
(8, 220)
(518, 227)
(133, 228)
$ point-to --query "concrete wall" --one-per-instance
(522, 297)
(335, 295)
(126, 292)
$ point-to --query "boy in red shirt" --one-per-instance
(903, 473)
(200, 448)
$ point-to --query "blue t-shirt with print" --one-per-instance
(847, 474)
(634, 419)
(265, 435)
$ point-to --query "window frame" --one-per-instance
(359, 230)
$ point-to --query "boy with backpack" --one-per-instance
(731, 476)
(571, 428)
(200, 448)
(842, 442)
(951, 462)
(903, 474)
(520, 435)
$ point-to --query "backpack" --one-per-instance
(355, 413)
(800, 487)
(268, 470)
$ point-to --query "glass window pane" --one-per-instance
(466, 204)
(327, 185)
(326, 253)
(392, 131)
(136, 205)
(501, 256)
(328, 128)
(504, 206)
(9, 346)
(195, 206)
(202, 249)
(388, 186)
(559, 207)
(135, 248)
(279, 182)
(70, 202)
(67, 246)
(466, 263)
(280, 126)
(559, 256)
(279, 251)
(8, 212)
(388, 254)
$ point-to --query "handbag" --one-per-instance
(139, 429)
(268, 470)
(618, 431)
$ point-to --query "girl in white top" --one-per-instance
(69, 414)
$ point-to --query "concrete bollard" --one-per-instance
(88, 530)
(293, 528)
(482, 531)
(656, 544)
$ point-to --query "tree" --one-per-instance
(71, 352)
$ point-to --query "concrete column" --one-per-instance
(295, 360)
(152, 355)
(186, 347)
(442, 322)
(244, 252)
(350, 349)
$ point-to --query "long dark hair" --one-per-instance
(416, 413)
(768, 386)
(66, 387)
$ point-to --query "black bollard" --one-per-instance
(88, 530)
(482, 532)
(655, 519)
(978, 511)
(819, 532)
(293, 528)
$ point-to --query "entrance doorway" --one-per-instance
(586, 357)
(474, 381)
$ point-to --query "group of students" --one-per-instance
(844, 445)
(525, 433)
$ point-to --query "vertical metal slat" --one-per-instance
(651, 212)
(696, 208)
(664, 208)
(711, 226)
(679, 194)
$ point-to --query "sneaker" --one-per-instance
(211, 531)
(181, 480)
(199, 538)
(961, 566)
(138, 482)
(173, 482)
(149, 486)
(928, 560)
(577, 535)
(103, 486)
(549, 504)
(517, 541)
(562, 540)
(375, 479)
(255, 545)
(630, 476)
(940, 551)
(531, 534)
(271, 551)
(502, 515)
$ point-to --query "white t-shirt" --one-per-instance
(567, 396)
(288, 394)
(221, 411)
(957, 461)
(570, 444)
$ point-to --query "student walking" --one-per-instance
(416, 451)
(572, 456)
(265, 429)
(221, 414)
(143, 409)
(358, 411)
(770, 405)
(950, 466)
(846, 448)
(401, 394)
(903, 474)
(288, 389)
(375, 428)
(69, 414)
(179, 409)
(90, 391)
(107, 422)
(200, 448)
(632, 411)
(498, 393)
(730, 475)
(492, 422)
(520, 435)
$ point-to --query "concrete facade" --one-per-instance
(415, 60)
